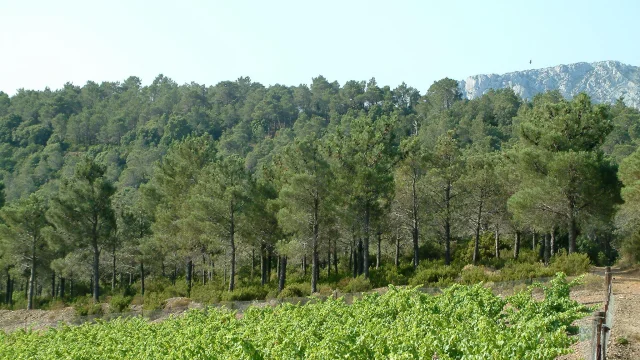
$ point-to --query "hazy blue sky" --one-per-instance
(47, 43)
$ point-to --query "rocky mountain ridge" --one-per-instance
(604, 81)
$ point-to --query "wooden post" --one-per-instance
(607, 287)
(598, 318)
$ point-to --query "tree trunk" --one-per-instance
(232, 243)
(263, 264)
(204, 270)
(516, 245)
(365, 254)
(142, 278)
(7, 296)
(533, 241)
(497, 237)
(32, 276)
(379, 251)
(269, 252)
(447, 225)
(314, 245)
(335, 256)
(189, 269)
(396, 261)
(304, 264)
(62, 285)
(414, 230)
(476, 245)
(10, 292)
(96, 273)
(573, 233)
(253, 262)
(541, 249)
(547, 250)
(360, 257)
(53, 284)
(552, 243)
(329, 261)
(113, 269)
(282, 275)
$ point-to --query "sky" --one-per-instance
(49, 43)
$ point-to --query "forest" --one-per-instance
(244, 187)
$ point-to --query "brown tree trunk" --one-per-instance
(447, 225)
(379, 252)
(335, 256)
(547, 251)
(365, 254)
(552, 243)
(282, 275)
(189, 269)
(142, 278)
(53, 285)
(113, 268)
(32, 275)
(497, 237)
(516, 245)
(415, 228)
(397, 255)
(263, 264)
(96, 272)
(314, 246)
(573, 233)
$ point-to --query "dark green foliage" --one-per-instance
(174, 185)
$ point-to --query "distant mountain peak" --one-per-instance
(605, 81)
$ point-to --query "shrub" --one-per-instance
(572, 264)
(207, 294)
(153, 301)
(245, 294)
(86, 306)
(119, 303)
(295, 290)
(473, 274)
(523, 271)
(358, 284)
(434, 275)
(386, 275)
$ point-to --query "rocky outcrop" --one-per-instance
(604, 81)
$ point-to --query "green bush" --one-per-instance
(434, 274)
(513, 271)
(245, 294)
(154, 301)
(86, 306)
(119, 303)
(295, 290)
(572, 264)
(358, 284)
(205, 294)
(386, 275)
(474, 274)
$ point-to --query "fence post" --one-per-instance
(598, 318)
(607, 287)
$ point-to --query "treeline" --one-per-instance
(109, 183)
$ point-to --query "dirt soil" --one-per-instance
(626, 315)
(12, 320)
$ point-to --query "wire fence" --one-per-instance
(599, 331)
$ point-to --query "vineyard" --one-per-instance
(464, 322)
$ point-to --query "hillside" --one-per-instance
(604, 81)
